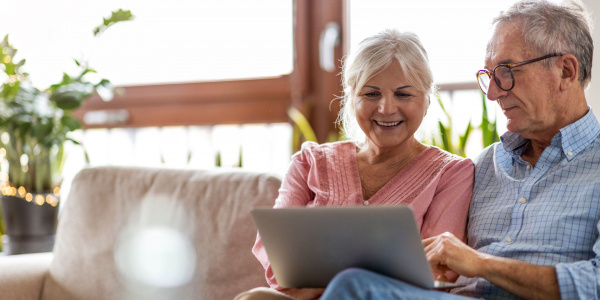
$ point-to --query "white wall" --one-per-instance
(593, 92)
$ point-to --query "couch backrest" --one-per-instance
(101, 203)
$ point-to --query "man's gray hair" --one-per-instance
(555, 28)
(372, 56)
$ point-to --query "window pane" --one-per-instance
(454, 33)
(168, 42)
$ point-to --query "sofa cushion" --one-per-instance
(103, 201)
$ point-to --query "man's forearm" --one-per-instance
(522, 279)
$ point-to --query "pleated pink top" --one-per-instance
(437, 184)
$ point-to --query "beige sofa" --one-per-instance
(104, 201)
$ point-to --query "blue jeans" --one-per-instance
(362, 284)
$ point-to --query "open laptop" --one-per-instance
(307, 247)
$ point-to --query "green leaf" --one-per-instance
(42, 130)
(76, 142)
(105, 90)
(70, 122)
(37, 121)
(67, 100)
(217, 159)
(464, 138)
(302, 123)
(444, 136)
(489, 130)
(116, 17)
(66, 80)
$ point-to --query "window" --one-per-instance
(167, 42)
(454, 33)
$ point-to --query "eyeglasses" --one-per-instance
(503, 74)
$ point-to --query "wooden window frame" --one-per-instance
(308, 88)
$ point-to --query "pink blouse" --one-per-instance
(437, 184)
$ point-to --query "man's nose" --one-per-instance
(494, 91)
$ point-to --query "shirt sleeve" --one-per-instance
(449, 208)
(580, 280)
(294, 191)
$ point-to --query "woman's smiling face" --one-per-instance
(388, 109)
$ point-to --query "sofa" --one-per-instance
(210, 209)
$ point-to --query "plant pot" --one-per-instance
(30, 227)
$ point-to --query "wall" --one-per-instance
(593, 92)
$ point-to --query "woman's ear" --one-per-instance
(569, 67)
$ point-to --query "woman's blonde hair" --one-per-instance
(372, 56)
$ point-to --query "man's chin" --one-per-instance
(514, 127)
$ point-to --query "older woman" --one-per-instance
(387, 85)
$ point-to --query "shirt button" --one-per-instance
(523, 200)
(528, 167)
(570, 153)
(508, 240)
(366, 202)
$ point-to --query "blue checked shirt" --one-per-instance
(547, 215)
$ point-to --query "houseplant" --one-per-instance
(34, 126)
(444, 137)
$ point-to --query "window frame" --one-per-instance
(264, 100)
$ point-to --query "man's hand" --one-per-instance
(446, 252)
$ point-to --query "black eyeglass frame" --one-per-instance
(491, 74)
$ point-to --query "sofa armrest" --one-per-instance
(22, 276)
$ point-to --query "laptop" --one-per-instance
(308, 246)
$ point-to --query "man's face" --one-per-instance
(531, 107)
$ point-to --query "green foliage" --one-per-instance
(489, 130)
(302, 130)
(218, 159)
(34, 123)
(116, 17)
(445, 139)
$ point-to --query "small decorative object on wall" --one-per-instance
(34, 126)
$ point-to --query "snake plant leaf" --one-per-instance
(302, 123)
(78, 143)
(489, 130)
(465, 137)
(74, 141)
(218, 162)
(296, 139)
(445, 136)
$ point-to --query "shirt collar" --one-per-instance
(572, 138)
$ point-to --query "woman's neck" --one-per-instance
(398, 156)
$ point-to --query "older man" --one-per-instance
(533, 224)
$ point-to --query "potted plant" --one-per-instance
(34, 126)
